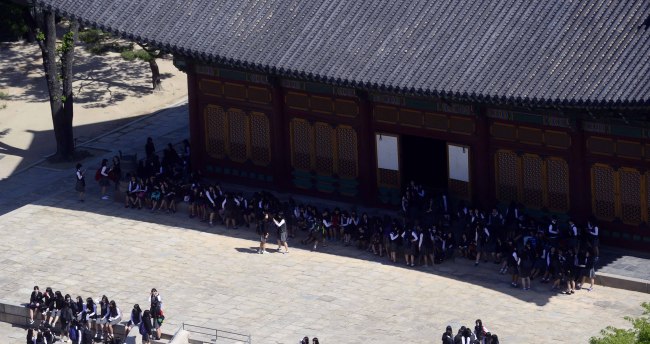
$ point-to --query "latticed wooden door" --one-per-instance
(346, 138)
(507, 174)
(215, 134)
(603, 191)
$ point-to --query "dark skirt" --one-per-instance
(80, 186)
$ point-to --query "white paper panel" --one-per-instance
(387, 156)
(458, 163)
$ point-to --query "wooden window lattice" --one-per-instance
(532, 191)
(507, 175)
(301, 144)
(237, 135)
(215, 125)
(260, 138)
(323, 148)
(388, 177)
(557, 184)
(603, 192)
(346, 138)
(630, 196)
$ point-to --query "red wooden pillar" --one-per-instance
(367, 151)
(197, 141)
(482, 171)
(280, 138)
(579, 178)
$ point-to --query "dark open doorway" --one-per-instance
(424, 160)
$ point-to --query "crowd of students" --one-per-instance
(426, 230)
(86, 321)
(465, 335)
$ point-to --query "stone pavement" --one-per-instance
(211, 277)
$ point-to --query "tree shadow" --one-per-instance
(99, 80)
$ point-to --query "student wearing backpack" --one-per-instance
(86, 336)
(74, 332)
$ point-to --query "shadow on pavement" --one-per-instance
(462, 270)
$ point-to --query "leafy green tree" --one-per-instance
(12, 21)
(638, 334)
(148, 54)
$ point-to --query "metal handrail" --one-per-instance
(215, 333)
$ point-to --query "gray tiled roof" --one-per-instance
(561, 52)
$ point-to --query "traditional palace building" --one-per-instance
(542, 102)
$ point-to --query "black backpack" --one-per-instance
(86, 336)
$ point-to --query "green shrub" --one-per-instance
(638, 334)
(139, 54)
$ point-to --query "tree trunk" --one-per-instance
(48, 50)
(65, 146)
(155, 75)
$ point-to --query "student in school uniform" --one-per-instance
(57, 305)
(281, 226)
(80, 184)
(409, 240)
(35, 303)
(134, 320)
(100, 319)
(156, 311)
(103, 178)
(112, 318)
(394, 236)
(425, 245)
(593, 230)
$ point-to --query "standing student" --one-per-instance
(447, 336)
(409, 238)
(66, 317)
(35, 303)
(156, 310)
(146, 326)
(134, 321)
(263, 232)
(80, 185)
(281, 225)
(346, 228)
(103, 178)
(116, 171)
(592, 227)
(481, 238)
(526, 266)
(394, 235)
(588, 271)
(425, 246)
(480, 331)
(149, 148)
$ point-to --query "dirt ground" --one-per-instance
(109, 91)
